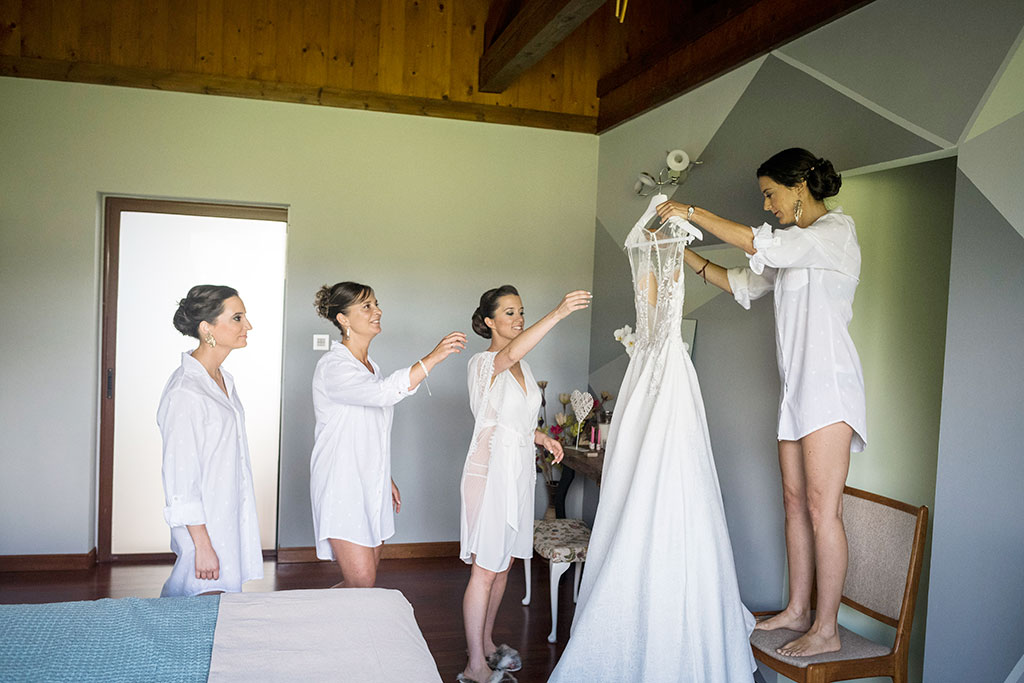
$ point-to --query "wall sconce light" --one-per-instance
(676, 170)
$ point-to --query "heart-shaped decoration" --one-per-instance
(582, 404)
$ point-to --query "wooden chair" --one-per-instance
(561, 542)
(886, 540)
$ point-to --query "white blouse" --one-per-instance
(207, 480)
(813, 273)
(350, 468)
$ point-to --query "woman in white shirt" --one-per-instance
(812, 270)
(354, 498)
(208, 488)
(498, 479)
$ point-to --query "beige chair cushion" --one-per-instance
(853, 647)
(561, 540)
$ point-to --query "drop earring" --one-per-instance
(798, 211)
(210, 340)
(348, 332)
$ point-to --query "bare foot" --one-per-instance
(810, 643)
(483, 675)
(786, 619)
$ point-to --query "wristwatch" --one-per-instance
(689, 212)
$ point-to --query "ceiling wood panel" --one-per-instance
(10, 27)
(735, 39)
(410, 56)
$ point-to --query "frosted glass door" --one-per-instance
(160, 257)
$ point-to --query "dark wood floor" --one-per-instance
(433, 586)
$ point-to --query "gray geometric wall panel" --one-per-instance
(784, 107)
(994, 161)
(975, 621)
(613, 300)
(734, 355)
(929, 61)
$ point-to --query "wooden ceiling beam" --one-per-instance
(731, 39)
(536, 29)
(211, 84)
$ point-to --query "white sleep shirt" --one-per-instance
(813, 273)
(350, 468)
(207, 480)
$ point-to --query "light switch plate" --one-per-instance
(321, 342)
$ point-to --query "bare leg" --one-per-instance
(799, 542)
(475, 609)
(357, 562)
(493, 602)
(826, 464)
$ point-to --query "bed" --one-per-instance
(356, 634)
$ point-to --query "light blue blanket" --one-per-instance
(129, 639)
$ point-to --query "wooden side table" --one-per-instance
(576, 460)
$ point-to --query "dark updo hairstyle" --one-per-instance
(488, 305)
(203, 302)
(790, 166)
(330, 301)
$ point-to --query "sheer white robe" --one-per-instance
(207, 480)
(813, 273)
(350, 468)
(500, 474)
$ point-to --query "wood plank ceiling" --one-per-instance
(562, 64)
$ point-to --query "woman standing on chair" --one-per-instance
(499, 476)
(812, 270)
(353, 495)
(208, 488)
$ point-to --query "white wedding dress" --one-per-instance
(659, 599)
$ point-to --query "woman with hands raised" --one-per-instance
(499, 477)
(353, 495)
(811, 268)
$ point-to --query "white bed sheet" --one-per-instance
(347, 634)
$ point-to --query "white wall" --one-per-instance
(429, 212)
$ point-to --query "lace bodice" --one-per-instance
(656, 260)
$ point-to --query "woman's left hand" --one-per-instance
(670, 208)
(396, 497)
(553, 447)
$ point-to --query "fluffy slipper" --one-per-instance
(505, 659)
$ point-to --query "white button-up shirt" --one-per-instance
(813, 273)
(207, 479)
(350, 468)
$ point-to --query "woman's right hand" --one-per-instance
(452, 343)
(207, 563)
(572, 302)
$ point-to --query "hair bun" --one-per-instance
(322, 301)
(479, 326)
(822, 180)
(182, 321)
